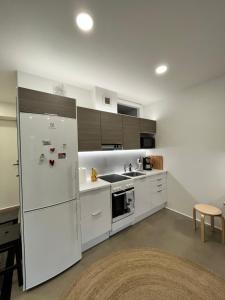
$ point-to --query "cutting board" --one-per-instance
(157, 162)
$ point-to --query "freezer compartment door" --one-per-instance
(48, 160)
(51, 242)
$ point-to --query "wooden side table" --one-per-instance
(208, 210)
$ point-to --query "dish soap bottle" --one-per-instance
(93, 175)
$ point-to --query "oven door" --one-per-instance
(121, 205)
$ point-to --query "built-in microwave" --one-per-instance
(147, 141)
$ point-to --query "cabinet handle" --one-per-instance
(159, 179)
(96, 213)
(159, 191)
(159, 185)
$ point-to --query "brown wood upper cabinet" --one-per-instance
(147, 126)
(131, 132)
(89, 129)
(111, 128)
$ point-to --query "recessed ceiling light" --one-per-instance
(161, 69)
(84, 21)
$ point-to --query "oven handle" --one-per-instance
(123, 193)
(117, 195)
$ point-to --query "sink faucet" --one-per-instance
(130, 167)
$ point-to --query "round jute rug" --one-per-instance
(146, 274)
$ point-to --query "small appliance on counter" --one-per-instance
(147, 163)
(82, 175)
(139, 164)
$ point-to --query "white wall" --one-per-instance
(191, 137)
(99, 95)
(8, 87)
(7, 111)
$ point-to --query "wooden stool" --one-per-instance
(208, 210)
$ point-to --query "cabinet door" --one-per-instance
(142, 196)
(158, 198)
(147, 126)
(131, 133)
(51, 241)
(89, 129)
(95, 214)
(111, 128)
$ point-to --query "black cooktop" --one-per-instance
(113, 178)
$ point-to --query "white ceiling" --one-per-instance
(129, 39)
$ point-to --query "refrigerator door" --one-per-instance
(48, 160)
(52, 241)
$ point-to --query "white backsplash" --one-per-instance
(109, 161)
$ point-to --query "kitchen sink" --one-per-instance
(133, 174)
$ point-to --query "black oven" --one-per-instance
(122, 204)
(147, 141)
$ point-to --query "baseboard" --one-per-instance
(122, 224)
(149, 213)
(94, 242)
(190, 217)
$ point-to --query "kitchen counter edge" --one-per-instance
(99, 184)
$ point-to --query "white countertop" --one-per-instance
(89, 185)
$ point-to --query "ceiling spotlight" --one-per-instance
(161, 69)
(84, 21)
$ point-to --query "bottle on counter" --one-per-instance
(93, 175)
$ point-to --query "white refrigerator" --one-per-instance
(49, 196)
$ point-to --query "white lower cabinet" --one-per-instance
(150, 195)
(95, 216)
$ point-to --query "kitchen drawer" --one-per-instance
(153, 186)
(96, 201)
(95, 225)
(160, 180)
(158, 177)
(158, 185)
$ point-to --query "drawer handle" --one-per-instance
(159, 179)
(96, 213)
(159, 191)
(159, 185)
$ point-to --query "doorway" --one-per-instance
(9, 182)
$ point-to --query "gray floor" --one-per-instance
(165, 230)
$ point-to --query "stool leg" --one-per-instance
(203, 228)
(223, 229)
(212, 223)
(194, 219)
